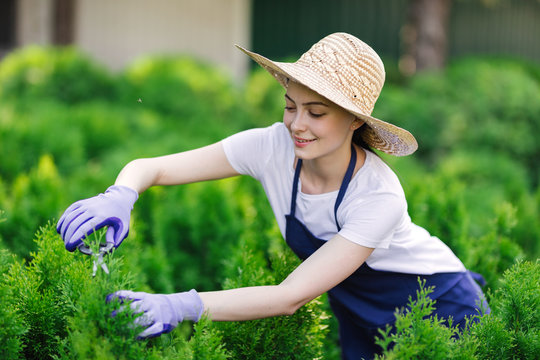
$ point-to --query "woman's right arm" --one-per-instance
(113, 208)
(206, 163)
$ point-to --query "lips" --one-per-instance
(301, 142)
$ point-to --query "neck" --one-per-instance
(325, 174)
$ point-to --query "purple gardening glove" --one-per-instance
(161, 313)
(112, 209)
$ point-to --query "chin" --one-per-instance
(304, 155)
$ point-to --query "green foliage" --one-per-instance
(56, 309)
(63, 74)
(55, 290)
(202, 221)
(29, 204)
(510, 331)
(61, 312)
(193, 95)
(299, 336)
(475, 104)
(265, 98)
(417, 334)
(207, 343)
(67, 127)
(517, 302)
(176, 85)
(13, 326)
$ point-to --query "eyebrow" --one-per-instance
(307, 103)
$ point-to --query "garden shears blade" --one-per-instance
(97, 257)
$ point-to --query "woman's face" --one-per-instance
(318, 127)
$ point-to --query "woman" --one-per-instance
(337, 204)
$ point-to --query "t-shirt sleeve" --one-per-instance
(249, 151)
(371, 222)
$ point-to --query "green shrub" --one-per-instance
(32, 199)
(73, 135)
(61, 311)
(13, 326)
(417, 334)
(63, 307)
(510, 331)
(475, 105)
(198, 225)
(299, 336)
(495, 251)
(61, 74)
(191, 93)
(264, 97)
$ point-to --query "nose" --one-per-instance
(299, 122)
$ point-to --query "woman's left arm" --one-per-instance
(328, 266)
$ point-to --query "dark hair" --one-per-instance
(358, 140)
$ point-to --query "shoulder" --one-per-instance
(276, 133)
(374, 205)
(251, 150)
(375, 178)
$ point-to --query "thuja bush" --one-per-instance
(63, 74)
(48, 291)
(186, 91)
(416, 334)
(264, 96)
(198, 225)
(299, 336)
(13, 326)
(479, 104)
(54, 308)
(483, 237)
(510, 331)
(30, 201)
(513, 331)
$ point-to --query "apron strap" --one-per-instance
(295, 186)
(345, 183)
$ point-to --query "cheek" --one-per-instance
(287, 119)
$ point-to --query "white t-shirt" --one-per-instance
(373, 212)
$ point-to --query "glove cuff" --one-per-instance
(125, 192)
(191, 304)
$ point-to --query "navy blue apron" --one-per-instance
(367, 300)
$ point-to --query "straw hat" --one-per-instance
(348, 72)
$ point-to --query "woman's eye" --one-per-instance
(289, 108)
(315, 115)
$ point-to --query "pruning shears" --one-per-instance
(98, 257)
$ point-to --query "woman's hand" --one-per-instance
(161, 313)
(112, 209)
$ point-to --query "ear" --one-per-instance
(356, 123)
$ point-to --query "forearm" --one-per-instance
(331, 264)
(248, 303)
(138, 175)
(206, 163)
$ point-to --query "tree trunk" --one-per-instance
(425, 35)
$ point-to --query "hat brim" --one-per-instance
(380, 134)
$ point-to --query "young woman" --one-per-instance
(338, 206)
